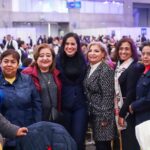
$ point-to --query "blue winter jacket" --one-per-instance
(43, 134)
(20, 101)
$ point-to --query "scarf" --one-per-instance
(118, 95)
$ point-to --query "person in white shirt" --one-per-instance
(11, 44)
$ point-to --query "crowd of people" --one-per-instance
(75, 81)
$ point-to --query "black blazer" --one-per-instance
(128, 81)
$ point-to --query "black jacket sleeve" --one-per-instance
(133, 74)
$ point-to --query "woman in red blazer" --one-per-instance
(46, 79)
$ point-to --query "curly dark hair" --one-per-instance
(132, 45)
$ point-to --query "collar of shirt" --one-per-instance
(93, 67)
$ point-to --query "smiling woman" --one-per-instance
(44, 60)
(127, 73)
(96, 52)
(45, 77)
(70, 47)
(72, 66)
(125, 51)
(99, 89)
(21, 98)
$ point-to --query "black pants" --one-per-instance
(103, 145)
(129, 141)
(9, 148)
(116, 143)
(116, 140)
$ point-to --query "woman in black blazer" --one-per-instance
(127, 73)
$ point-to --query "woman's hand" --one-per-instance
(104, 123)
(121, 121)
(22, 131)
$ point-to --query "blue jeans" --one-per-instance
(76, 123)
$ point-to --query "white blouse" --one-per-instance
(93, 68)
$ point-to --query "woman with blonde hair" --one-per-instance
(99, 89)
(106, 58)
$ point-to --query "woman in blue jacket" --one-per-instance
(72, 66)
(141, 107)
(21, 103)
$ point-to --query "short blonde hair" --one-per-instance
(102, 47)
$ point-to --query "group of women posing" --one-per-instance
(81, 91)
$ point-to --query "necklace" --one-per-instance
(48, 82)
(46, 78)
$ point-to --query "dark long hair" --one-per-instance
(68, 35)
(62, 52)
(132, 45)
